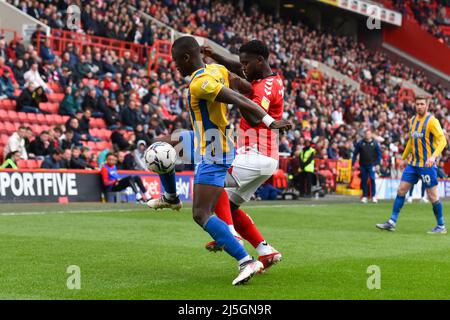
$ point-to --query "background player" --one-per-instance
(425, 144)
(208, 98)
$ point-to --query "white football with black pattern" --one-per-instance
(160, 157)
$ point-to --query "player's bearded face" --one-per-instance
(421, 107)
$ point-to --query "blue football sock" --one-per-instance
(438, 213)
(398, 204)
(168, 182)
(220, 232)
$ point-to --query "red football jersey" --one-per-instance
(268, 93)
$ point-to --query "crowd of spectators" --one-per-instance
(430, 14)
(329, 113)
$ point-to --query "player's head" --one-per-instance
(186, 54)
(421, 104)
(111, 159)
(254, 57)
(368, 135)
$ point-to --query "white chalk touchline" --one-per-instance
(31, 213)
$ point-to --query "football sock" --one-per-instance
(223, 211)
(220, 232)
(437, 209)
(398, 204)
(247, 228)
(264, 248)
(169, 184)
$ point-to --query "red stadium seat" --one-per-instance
(12, 115)
(32, 117)
(51, 119)
(55, 87)
(40, 118)
(22, 116)
(4, 139)
(9, 127)
(55, 97)
(8, 104)
(2, 128)
(64, 119)
(4, 115)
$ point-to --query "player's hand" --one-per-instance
(282, 125)
(207, 51)
(430, 162)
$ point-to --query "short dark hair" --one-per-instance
(255, 47)
(421, 97)
(56, 151)
(110, 154)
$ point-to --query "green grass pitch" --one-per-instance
(128, 252)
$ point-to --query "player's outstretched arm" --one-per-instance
(232, 65)
(239, 84)
(253, 113)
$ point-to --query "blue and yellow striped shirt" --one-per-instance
(212, 137)
(426, 139)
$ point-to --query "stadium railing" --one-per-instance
(150, 55)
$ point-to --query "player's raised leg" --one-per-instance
(169, 199)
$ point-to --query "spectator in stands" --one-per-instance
(6, 85)
(129, 116)
(39, 96)
(138, 155)
(77, 161)
(126, 160)
(17, 143)
(284, 145)
(333, 151)
(65, 158)
(41, 146)
(11, 160)
(83, 69)
(369, 153)
(118, 139)
(112, 182)
(34, 77)
(25, 101)
(47, 54)
(85, 126)
(306, 169)
(4, 67)
(69, 140)
(90, 101)
(19, 70)
(53, 160)
(69, 105)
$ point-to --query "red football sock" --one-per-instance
(246, 227)
(223, 210)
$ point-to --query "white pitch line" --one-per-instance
(32, 213)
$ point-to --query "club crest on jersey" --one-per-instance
(417, 135)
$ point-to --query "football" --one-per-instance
(160, 157)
